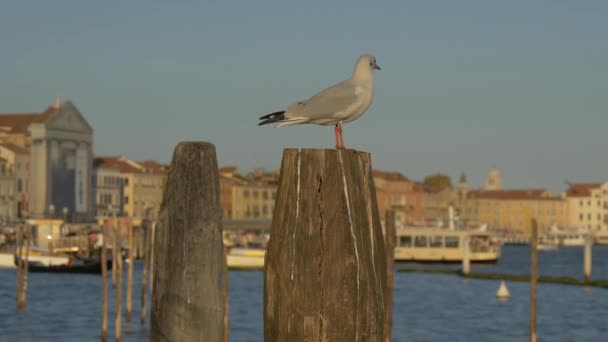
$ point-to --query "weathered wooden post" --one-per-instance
(27, 262)
(152, 234)
(114, 254)
(187, 299)
(588, 255)
(118, 252)
(389, 237)
(144, 272)
(466, 255)
(24, 266)
(130, 271)
(104, 285)
(226, 306)
(20, 264)
(325, 267)
(533, 278)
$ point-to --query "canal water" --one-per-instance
(427, 307)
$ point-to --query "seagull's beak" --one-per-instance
(377, 67)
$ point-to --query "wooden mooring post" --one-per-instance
(533, 278)
(144, 273)
(389, 238)
(118, 252)
(187, 298)
(325, 267)
(466, 255)
(23, 265)
(104, 284)
(131, 248)
(588, 255)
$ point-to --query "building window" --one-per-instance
(126, 199)
(19, 185)
(589, 218)
(246, 193)
(274, 195)
(265, 209)
(265, 195)
(255, 194)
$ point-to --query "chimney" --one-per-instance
(57, 101)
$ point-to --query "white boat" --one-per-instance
(565, 238)
(601, 238)
(443, 245)
(37, 256)
(547, 247)
(245, 258)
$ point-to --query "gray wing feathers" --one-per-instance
(325, 104)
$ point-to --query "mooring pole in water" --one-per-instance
(118, 247)
(588, 256)
(325, 267)
(533, 278)
(130, 270)
(389, 238)
(187, 298)
(104, 285)
(466, 255)
(20, 263)
(144, 273)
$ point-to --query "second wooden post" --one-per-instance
(325, 269)
(187, 299)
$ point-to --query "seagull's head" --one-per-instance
(368, 62)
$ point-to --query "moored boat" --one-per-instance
(74, 265)
(439, 245)
(245, 258)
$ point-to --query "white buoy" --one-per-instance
(503, 292)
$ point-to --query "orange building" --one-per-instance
(514, 209)
(395, 191)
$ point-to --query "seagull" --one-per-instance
(341, 103)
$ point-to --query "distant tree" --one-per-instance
(438, 181)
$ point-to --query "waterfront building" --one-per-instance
(8, 192)
(513, 210)
(493, 180)
(588, 206)
(137, 193)
(250, 197)
(108, 186)
(397, 192)
(59, 142)
(17, 167)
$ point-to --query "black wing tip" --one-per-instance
(272, 117)
(268, 116)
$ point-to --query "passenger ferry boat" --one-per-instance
(565, 237)
(441, 245)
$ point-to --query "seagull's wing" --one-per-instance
(330, 103)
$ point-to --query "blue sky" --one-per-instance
(465, 85)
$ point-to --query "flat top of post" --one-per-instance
(317, 150)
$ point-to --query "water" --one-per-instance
(427, 307)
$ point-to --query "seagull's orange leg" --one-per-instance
(341, 136)
(337, 137)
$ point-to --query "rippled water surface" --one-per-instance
(427, 307)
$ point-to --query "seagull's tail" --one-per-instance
(272, 117)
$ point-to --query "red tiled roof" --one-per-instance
(581, 189)
(115, 163)
(392, 176)
(154, 167)
(18, 123)
(15, 148)
(518, 194)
